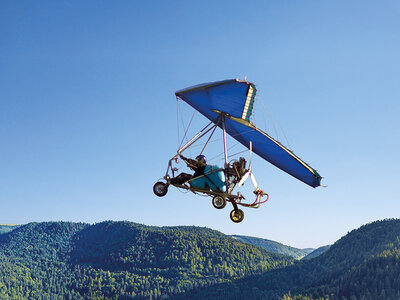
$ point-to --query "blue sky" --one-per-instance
(88, 116)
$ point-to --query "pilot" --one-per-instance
(198, 165)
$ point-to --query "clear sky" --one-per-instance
(88, 116)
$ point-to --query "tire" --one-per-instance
(237, 216)
(160, 189)
(219, 202)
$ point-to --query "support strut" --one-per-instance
(225, 147)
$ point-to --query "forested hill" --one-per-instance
(273, 246)
(111, 260)
(124, 260)
(364, 264)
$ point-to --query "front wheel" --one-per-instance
(160, 189)
(219, 202)
(237, 216)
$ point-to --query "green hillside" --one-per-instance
(124, 260)
(364, 264)
(110, 260)
(273, 246)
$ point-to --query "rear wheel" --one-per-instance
(219, 202)
(160, 189)
(237, 216)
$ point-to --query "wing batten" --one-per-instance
(248, 106)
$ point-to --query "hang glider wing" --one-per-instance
(234, 100)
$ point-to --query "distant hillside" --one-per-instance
(308, 250)
(364, 264)
(4, 228)
(317, 252)
(273, 246)
(122, 259)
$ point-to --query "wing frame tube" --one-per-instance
(198, 136)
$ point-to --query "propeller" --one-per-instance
(249, 173)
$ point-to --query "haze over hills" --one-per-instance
(317, 252)
(114, 260)
(7, 227)
(273, 246)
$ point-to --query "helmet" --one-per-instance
(202, 160)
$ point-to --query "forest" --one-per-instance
(364, 264)
(125, 260)
(110, 260)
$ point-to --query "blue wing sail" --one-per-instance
(234, 99)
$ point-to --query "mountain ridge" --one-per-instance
(269, 245)
(274, 246)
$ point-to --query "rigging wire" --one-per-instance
(185, 135)
(273, 120)
(234, 154)
(177, 119)
(270, 117)
(184, 138)
(219, 139)
(222, 153)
